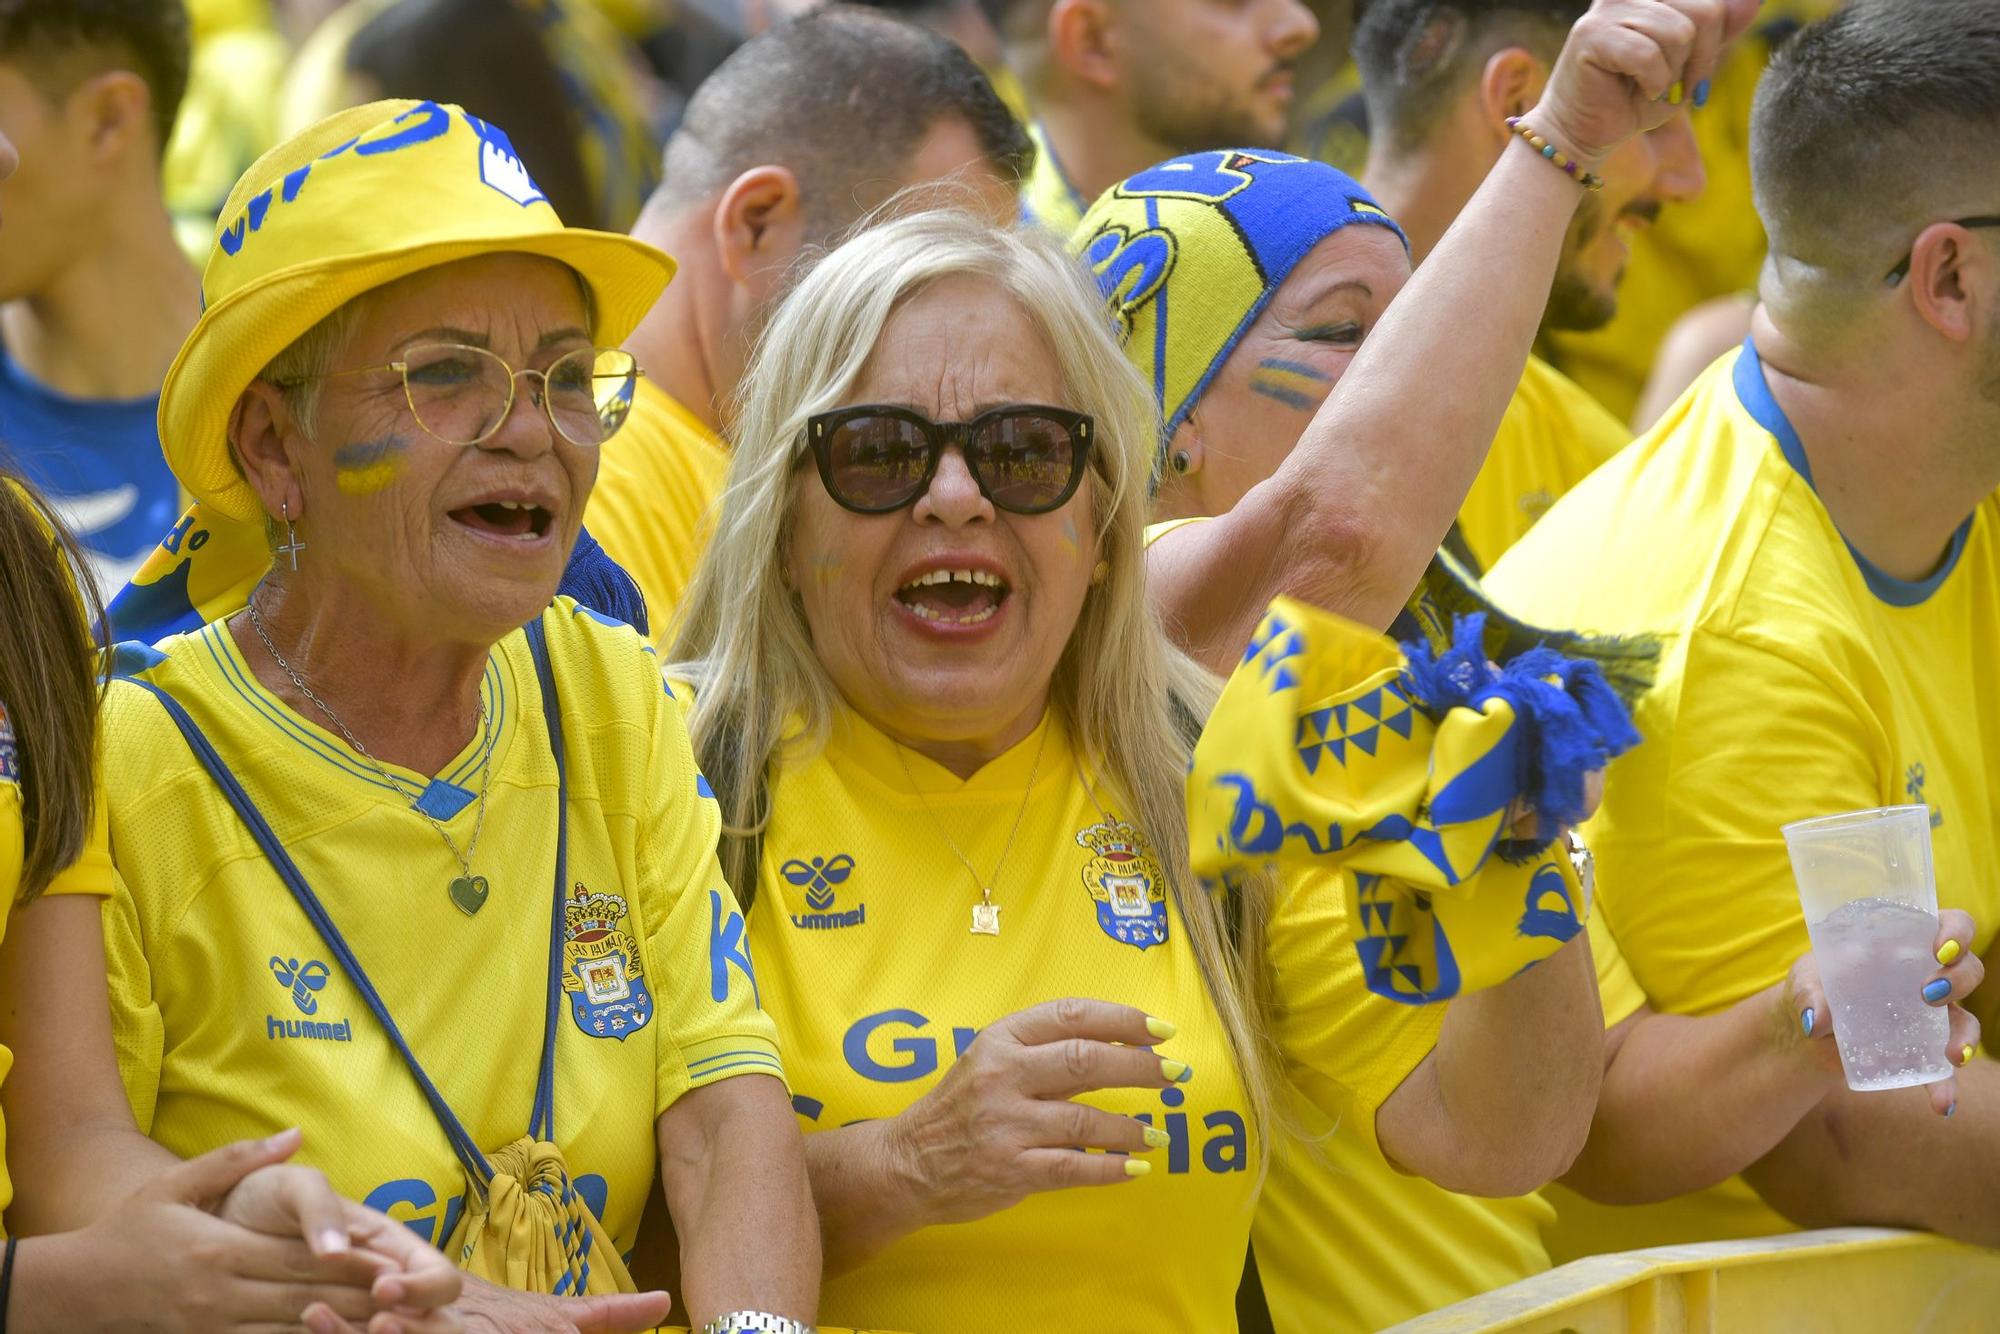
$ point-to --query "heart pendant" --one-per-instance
(468, 893)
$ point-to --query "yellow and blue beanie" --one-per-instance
(1189, 252)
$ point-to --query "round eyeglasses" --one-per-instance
(461, 394)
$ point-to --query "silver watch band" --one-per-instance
(755, 1322)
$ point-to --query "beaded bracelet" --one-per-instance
(1588, 180)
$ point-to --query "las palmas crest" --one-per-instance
(601, 969)
(1127, 884)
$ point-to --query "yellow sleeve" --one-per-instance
(1618, 992)
(650, 508)
(1693, 876)
(695, 946)
(91, 872)
(1345, 1048)
(137, 1030)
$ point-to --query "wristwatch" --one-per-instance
(756, 1322)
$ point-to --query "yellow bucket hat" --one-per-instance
(363, 198)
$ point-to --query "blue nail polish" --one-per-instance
(1949, 1110)
(1806, 1020)
(1937, 989)
(1701, 93)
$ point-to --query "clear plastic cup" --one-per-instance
(1870, 902)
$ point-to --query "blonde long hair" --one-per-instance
(1134, 702)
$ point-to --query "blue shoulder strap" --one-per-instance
(542, 1119)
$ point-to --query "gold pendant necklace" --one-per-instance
(985, 913)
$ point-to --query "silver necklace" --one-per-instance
(985, 913)
(467, 891)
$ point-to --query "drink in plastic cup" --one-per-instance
(1871, 908)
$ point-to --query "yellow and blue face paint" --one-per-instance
(1188, 253)
(1292, 383)
(364, 468)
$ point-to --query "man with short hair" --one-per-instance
(1812, 536)
(1118, 85)
(95, 296)
(799, 135)
(1441, 77)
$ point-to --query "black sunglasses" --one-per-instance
(1902, 271)
(875, 459)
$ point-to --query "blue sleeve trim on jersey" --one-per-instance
(731, 1055)
(765, 1064)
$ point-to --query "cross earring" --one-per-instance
(291, 546)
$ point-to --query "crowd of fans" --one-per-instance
(973, 665)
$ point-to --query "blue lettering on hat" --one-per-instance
(500, 166)
(431, 121)
(436, 120)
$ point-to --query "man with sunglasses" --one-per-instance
(1812, 536)
(790, 143)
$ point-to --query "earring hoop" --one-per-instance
(291, 547)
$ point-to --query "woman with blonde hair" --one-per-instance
(951, 747)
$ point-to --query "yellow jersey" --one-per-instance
(1553, 436)
(1047, 197)
(860, 930)
(657, 486)
(1346, 1243)
(1795, 680)
(89, 874)
(233, 1019)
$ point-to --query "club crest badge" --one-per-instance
(1126, 883)
(602, 974)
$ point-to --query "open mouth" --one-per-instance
(955, 597)
(518, 520)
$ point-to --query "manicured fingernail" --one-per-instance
(332, 1242)
(1947, 1111)
(1937, 989)
(1176, 1072)
(1676, 94)
(1806, 1020)
(1947, 952)
(1965, 1055)
(1157, 1138)
(1163, 1030)
(1138, 1167)
(1701, 93)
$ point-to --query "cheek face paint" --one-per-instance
(1292, 383)
(1072, 543)
(365, 468)
(826, 568)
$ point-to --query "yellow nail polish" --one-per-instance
(1947, 952)
(1176, 1072)
(1163, 1030)
(1676, 94)
(1137, 1167)
(1158, 1139)
(1964, 1058)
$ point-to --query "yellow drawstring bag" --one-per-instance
(1330, 748)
